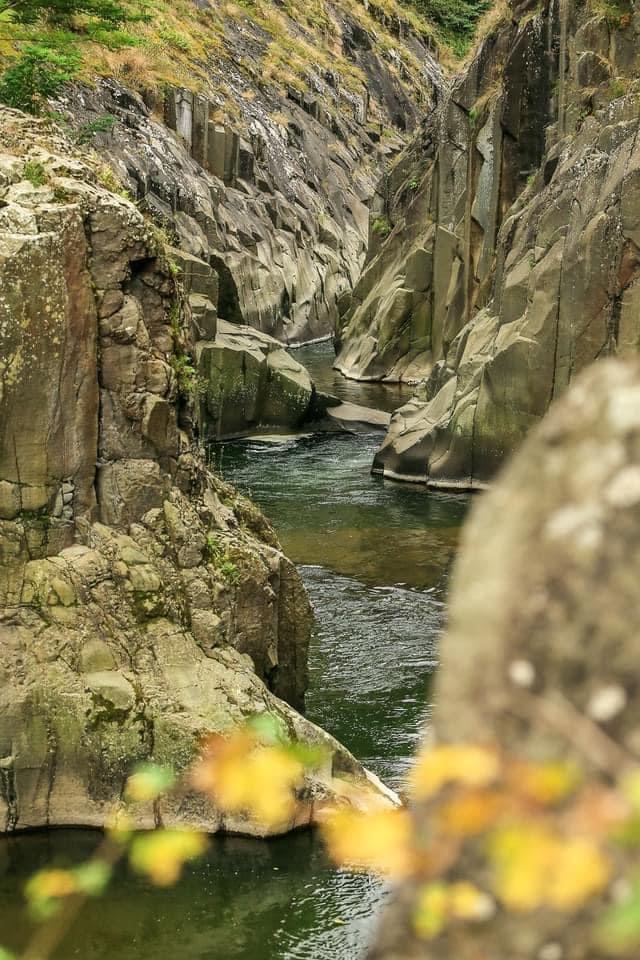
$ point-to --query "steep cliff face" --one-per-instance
(513, 260)
(142, 601)
(267, 178)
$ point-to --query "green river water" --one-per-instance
(375, 557)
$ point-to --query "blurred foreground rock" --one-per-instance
(545, 587)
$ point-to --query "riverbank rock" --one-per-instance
(250, 382)
(544, 587)
(512, 259)
(143, 602)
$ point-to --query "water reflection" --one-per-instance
(255, 900)
(318, 359)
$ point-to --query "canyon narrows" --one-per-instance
(261, 264)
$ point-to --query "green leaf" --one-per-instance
(620, 927)
(148, 781)
(268, 728)
(92, 877)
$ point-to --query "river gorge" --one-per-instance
(374, 556)
(284, 287)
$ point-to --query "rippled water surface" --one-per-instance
(374, 556)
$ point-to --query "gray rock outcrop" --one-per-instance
(546, 578)
(251, 382)
(142, 601)
(513, 259)
(275, 199)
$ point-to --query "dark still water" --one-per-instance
(374, 556)
(318, 359)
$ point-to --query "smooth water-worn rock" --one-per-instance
(546, 578)
(142, 601)
(513, 260)
(251, 382)
(273, 195)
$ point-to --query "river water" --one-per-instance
(375, 557)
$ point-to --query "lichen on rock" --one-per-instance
(143, 602)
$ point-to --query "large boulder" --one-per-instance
(250, 382)
(544, 593)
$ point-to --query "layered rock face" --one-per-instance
(142, 601)
(546, 578)
(275, 200)
(513, 260)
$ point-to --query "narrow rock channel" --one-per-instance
(374, 557)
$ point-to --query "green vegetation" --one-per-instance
(455, 20)
(40, 72)
(215, 553)
(42, 67)
(381, 227)
(87, 131)
(618, 13)
(35, 173)
(190, 383)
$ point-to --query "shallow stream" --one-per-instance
(375, 557)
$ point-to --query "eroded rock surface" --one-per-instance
(142, 601)
(546, 578)
(251, 382)
(513, 261)
(275, 199)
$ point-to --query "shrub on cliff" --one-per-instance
(42, 68)
(456, 20)
(37, 74)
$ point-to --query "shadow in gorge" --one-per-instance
(246, 899)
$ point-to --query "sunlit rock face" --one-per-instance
(143, 602)
(513, 259)
(541, 652)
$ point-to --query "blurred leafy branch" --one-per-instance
(540, 835)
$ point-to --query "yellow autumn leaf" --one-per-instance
(468, 764)
(544, 783)
(470, 813)
(522, 858)
(535, 866)
(438, 903)
(240, 775)
(581, 870)
(380, 841)
(162, 854)
(276, 774)
(630, 788)
(430, 916)
(468, 902)
(50, 884)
